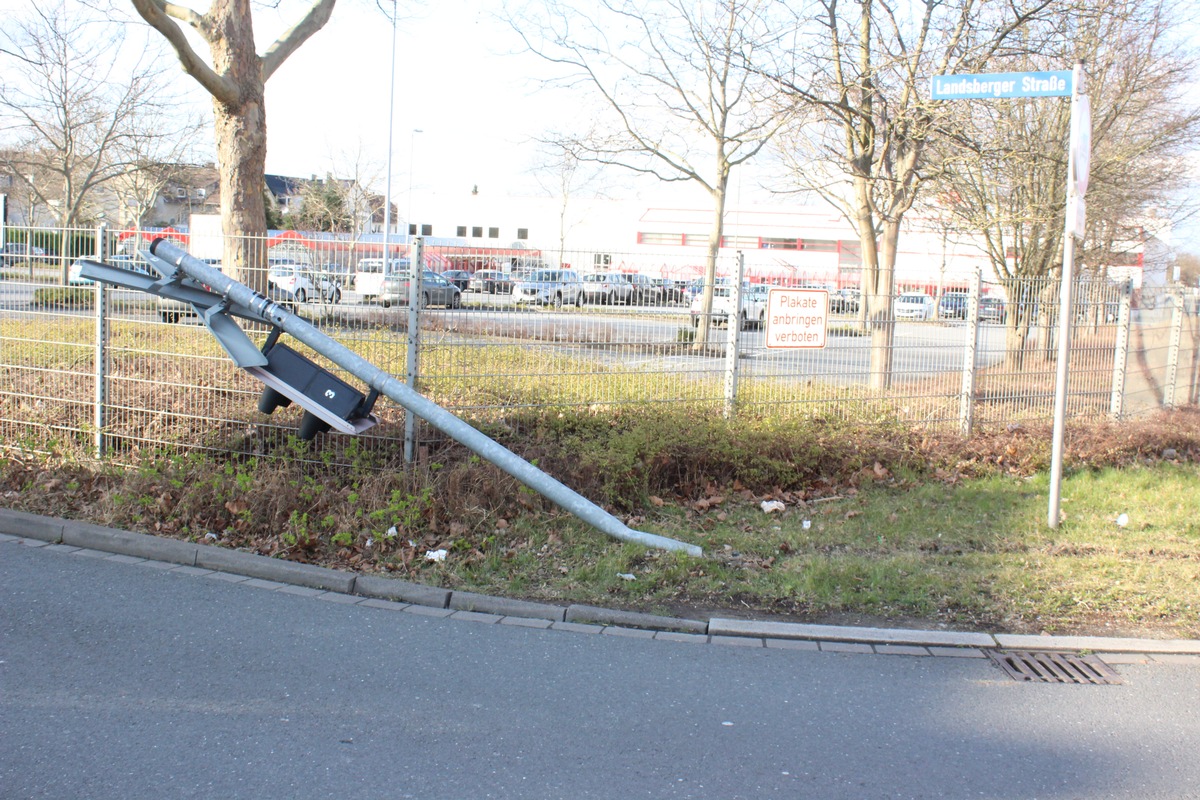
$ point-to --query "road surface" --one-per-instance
(130, 680)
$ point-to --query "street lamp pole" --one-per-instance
(387, 197)
(412, 147)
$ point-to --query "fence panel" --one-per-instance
(504, 333)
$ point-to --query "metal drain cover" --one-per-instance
(1048, 667)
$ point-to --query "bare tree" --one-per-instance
(677, 100)
(323, 206)
(77, 128)
(858, 84)
(564, 177)
(236, 79)
(1189, 269)
(1007, 166)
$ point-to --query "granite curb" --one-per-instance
(72, 536)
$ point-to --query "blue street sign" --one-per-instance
(1002, 84)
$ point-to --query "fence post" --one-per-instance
(966, 405)
(416, 259)
(1121, 352)
(100, 415)
(1176, 296)
(733, 327)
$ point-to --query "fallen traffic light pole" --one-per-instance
(328, 401)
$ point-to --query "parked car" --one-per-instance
(1105, 311)
(643, 292)
(75, 276)
(992, 309)
(550, 287)
(303, 284)
(490, 281)
(173, 311)
(753, 310)
(290, 278)
(16, 252)
(914, 305)
(605, 287)
(844, 301)
(435, 290)
(670, 290)
(953, 305)
(126, 261)
(459, 277)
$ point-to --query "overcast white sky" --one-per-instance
(476, 104)
(459, 78)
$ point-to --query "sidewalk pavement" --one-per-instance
(380, 592)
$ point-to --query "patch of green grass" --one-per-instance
(880, 522)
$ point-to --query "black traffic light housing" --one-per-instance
(327, 400)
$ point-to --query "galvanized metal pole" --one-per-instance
(416, 258)
(1171, 384)
(1116, 404)
(426, 409)
(1076, 185)
(733, 328)
(100, 407)
(966, 405)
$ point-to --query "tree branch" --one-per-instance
(158, 14)
(295, 36)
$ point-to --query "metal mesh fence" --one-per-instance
(501, 333)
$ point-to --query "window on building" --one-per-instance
(780, 244)
(522, 234)
(477, 232)
(461, 230)
(660, 238)
(493, 233)
(427, 230)
(412, 229)
(739, 242)
(819, 245)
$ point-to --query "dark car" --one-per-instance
(992, 309)
(671, 290)
(491, 281)
(459, 277)
(844, 301)
(953, 305)
(644, 293)
(17, 252)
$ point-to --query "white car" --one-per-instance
(753, 311)
(75, 275)
(303, 285)
(914, 305)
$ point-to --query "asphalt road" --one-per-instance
(123, 680)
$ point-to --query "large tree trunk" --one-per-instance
(883, 323)
(241, 132)
(869, 247)
(710, 265)
(242, 152)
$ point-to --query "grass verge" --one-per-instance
(878, 525)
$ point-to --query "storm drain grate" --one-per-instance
(1055, 668)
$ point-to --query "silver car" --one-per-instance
(606, 287)
(549, 287)
(435, 290)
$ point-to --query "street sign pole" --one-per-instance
(1078, 167)
(1062, 83)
